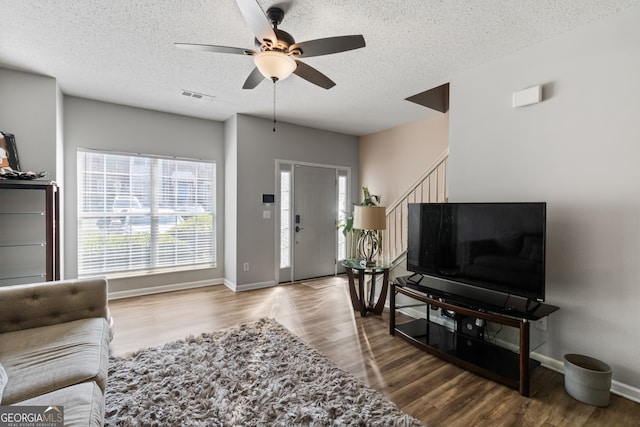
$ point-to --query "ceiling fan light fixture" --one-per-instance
(273, 64)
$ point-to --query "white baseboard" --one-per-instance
(163, 288)
(625, 390)
(248, 286)
(229, 284)
(548, 362)
(189, 285)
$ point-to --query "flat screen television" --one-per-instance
(479, 250)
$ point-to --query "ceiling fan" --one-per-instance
(276, 51)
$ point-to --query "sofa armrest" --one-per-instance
(41, 304)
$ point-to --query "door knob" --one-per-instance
(298, 228)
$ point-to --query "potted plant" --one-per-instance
(347, 226)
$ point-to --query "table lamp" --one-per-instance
(369, 219)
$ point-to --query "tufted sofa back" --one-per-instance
(41, 304)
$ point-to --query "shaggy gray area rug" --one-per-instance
(255, 374)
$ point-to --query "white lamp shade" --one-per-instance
(274, 64)
(369, 218)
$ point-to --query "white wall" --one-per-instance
(60, 167)
(579, 151)
(231, 200)
(28, 109)
(258, 147)
(98, 125)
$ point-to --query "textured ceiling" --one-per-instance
(122, 51)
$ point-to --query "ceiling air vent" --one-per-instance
(197, 95)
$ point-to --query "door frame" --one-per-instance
(290, 165)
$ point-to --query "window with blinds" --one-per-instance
(342, 215)
(285, 219)
(141, 213)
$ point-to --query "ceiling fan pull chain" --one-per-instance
(275, 79)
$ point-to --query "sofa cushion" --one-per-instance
(3, 380)
(83, 404)
(34, 305)
(41, 360)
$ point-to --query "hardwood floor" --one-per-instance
(320, 313)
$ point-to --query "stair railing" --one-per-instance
(430, 187)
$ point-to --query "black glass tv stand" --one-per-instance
(468, 348)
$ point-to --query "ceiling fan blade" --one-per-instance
(214, 48)
(312, 75)
(254, 79)
(257, 20)
(329, 45)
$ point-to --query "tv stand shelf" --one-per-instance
(469, 352)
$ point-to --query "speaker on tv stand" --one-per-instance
(472, 327)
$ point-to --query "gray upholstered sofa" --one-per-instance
(54, 347)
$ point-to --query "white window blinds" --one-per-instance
(342, 216)
(285, 219)
(138, 213)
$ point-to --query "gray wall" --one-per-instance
(98, 125)
(258, 147)
(578, 150)
(29, 111)
(244, 148)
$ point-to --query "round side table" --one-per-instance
(359, 294)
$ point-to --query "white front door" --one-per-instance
(314, 221)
